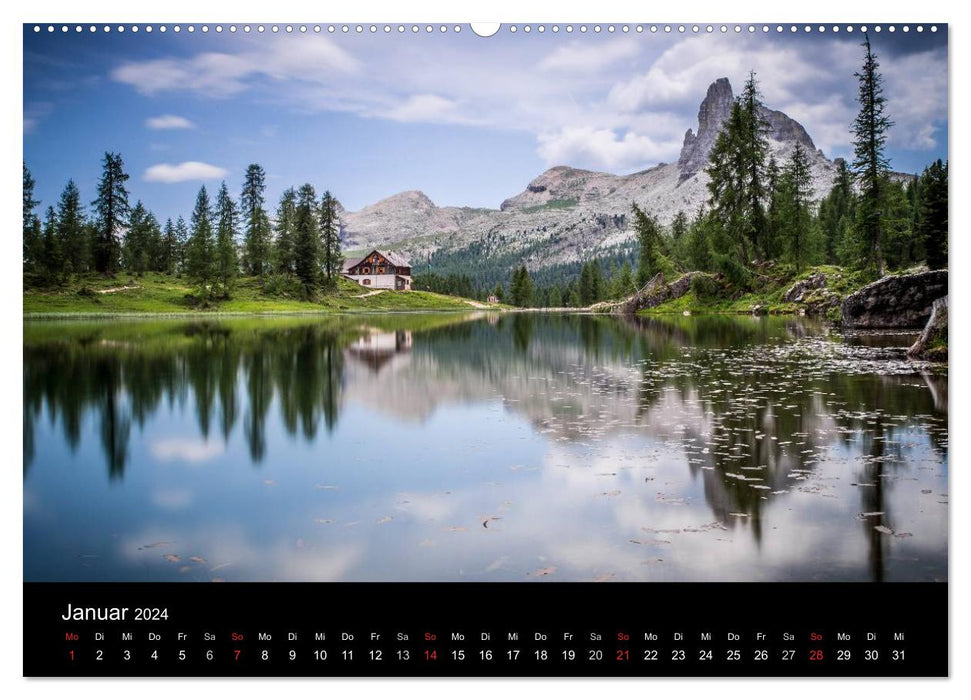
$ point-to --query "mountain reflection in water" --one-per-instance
(481, 447)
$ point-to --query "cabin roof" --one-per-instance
(394, 258)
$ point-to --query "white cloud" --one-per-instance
(169, 121)
(313, 59)
(604, 148)
(181, 172)
(588, 58)
(426, 108)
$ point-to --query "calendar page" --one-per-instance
(438, 349)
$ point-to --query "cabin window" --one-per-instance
(366, 270)
(380, 270)
(366, 281)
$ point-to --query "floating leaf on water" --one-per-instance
(197, 560)
(323, 521)
(903, 534)
(171, 557)
(615, 492)
(545, 571)
(883, 529)
(385, 519)
(872, 514)
(153, 545)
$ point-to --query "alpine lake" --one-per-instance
(481, 447)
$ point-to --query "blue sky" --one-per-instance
(468, 120)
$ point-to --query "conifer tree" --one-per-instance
(170, 249)
(797, 192)
(933, 223)
(754, 149)
(182, 245)
(836, 212)
(649, 237)
(136, 248)
(330, 240)
(32, 242)
(200, 257)
(256, 221)
(306, 239)
(870, 166)
(286, 217)
(226, 256)
(112, 210)
(53, 261)
(522, 287)
(71, 230)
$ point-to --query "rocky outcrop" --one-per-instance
(932, 343)
(712, 113)
(657, 291)
(797, 292)
(901, 301)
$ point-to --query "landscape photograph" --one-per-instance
(586, 303)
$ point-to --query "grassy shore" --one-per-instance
(97, 295)
(770, 286)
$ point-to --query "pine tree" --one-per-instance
(306, 239)
(286, 219)
(170, 249)
(727, 194)
(182, 246)
(522, 287)
(32, 243)
(226, 256)
(112, 210)
(755, 148)
(797, 192)
(200, 256)
(870, 166)
(699, 245)
(136, 245)
(52, 259)
(71, 230)
(773, 220)
(624, 283)
(498, 291)
(649, 236)
(933, 226)
(556, 297)
(330, 239)
(256, 221)
(836, 212)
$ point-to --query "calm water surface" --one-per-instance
(479, 448)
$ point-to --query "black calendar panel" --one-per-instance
(477, 629)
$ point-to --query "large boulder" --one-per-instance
(932, 343)
(797, 291)
(901, 301)
(657, 291)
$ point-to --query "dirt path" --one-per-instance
(116, 289)
(369, 294)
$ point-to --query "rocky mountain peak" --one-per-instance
(712, 113)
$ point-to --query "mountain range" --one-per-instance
(567, 215)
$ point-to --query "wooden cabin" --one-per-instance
(380, 270)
